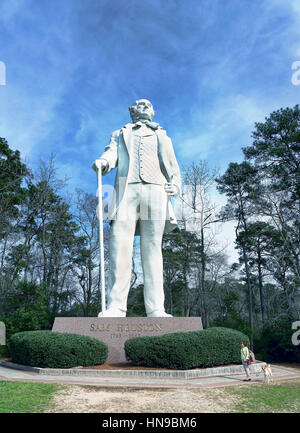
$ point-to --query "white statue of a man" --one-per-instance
(147, 175)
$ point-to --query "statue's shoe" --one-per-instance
(112, 312)
(159, 313)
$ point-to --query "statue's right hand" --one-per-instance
(100, 164)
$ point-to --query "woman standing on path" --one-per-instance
(245, 356)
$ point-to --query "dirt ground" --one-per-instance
(87, 399)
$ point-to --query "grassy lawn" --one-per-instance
(280, 397)
(23, 397)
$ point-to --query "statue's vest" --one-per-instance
(144, 162)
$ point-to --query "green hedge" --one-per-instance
(184, 350)
(56, 349)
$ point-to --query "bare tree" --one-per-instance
(199, 216)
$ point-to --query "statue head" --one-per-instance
(141, 109)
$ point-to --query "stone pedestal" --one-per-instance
(115, 331)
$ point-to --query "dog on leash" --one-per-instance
(268, 375)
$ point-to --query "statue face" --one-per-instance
(143, 109)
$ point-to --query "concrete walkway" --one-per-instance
(213, 377)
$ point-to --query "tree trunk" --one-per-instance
(245, 257)
(261, 289)
(202, 285)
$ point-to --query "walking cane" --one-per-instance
(101, 240)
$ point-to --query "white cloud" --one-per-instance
(23, 122)
(293, 7)
(226, 125)
(8, 10)
(40, 69)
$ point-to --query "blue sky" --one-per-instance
(210, 67)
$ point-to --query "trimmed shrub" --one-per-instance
(56, 349)
(185, 350)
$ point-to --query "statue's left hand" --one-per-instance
(171, 189)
